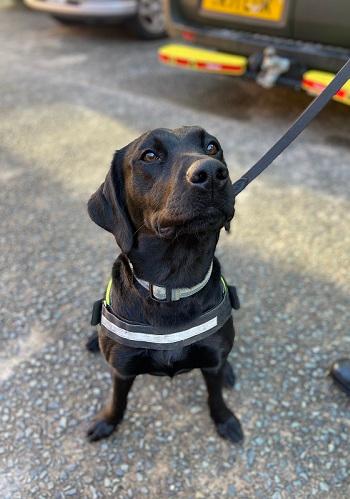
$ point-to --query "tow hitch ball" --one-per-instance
(269, 66)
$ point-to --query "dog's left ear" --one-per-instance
(107, 207)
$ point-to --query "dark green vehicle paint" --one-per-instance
(313, 33)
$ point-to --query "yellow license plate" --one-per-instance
(268, 10)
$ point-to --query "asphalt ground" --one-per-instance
(68, 98)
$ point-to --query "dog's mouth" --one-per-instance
(211, 218)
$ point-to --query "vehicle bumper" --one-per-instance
(198, 59)
(314, 82)
(306, 54)
(211, 61)
(85, 9)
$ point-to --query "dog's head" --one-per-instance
(168, 182)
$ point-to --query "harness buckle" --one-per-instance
(234, 299)
(96, 313)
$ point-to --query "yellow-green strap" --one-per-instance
(108, 292)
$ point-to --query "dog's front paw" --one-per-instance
(100, 428)
(231, 429)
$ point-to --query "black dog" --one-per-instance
(165, 199)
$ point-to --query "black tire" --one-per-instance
(149, 22)
(67, 21)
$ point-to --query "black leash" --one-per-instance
(298, 126)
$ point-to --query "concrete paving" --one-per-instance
(69, 98)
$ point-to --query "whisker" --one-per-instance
(142, 225)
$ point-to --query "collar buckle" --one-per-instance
(153, 295)
(169, 294)
(164, 294)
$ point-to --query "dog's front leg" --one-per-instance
(109, 418)
(227, 425)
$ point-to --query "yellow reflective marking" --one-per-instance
(315, 81)
(198, 59)
(108, 292)
(224, 283)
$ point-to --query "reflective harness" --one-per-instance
(139, 335)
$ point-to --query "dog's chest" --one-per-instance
(167, 362)
(170, 362)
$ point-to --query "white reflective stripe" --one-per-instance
(159, 338)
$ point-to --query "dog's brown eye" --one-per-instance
(212, 148)
(149, 156)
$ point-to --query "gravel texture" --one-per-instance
(69, 98)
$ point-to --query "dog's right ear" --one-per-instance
(107, 207)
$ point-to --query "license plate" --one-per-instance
(267, 10)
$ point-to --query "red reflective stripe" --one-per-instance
(319, 86)
(314, 84)
(182, 62)
(215, 66)
(341, 93)
(164, 57)
(212, 66)
(231, 68)
(187, 35)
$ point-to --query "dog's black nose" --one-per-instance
(207, 173)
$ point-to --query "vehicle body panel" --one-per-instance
(323, 21)
(84, 9)
(192, 10)
(241, 36)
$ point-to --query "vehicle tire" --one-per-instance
(149, 22)
(67, 21)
